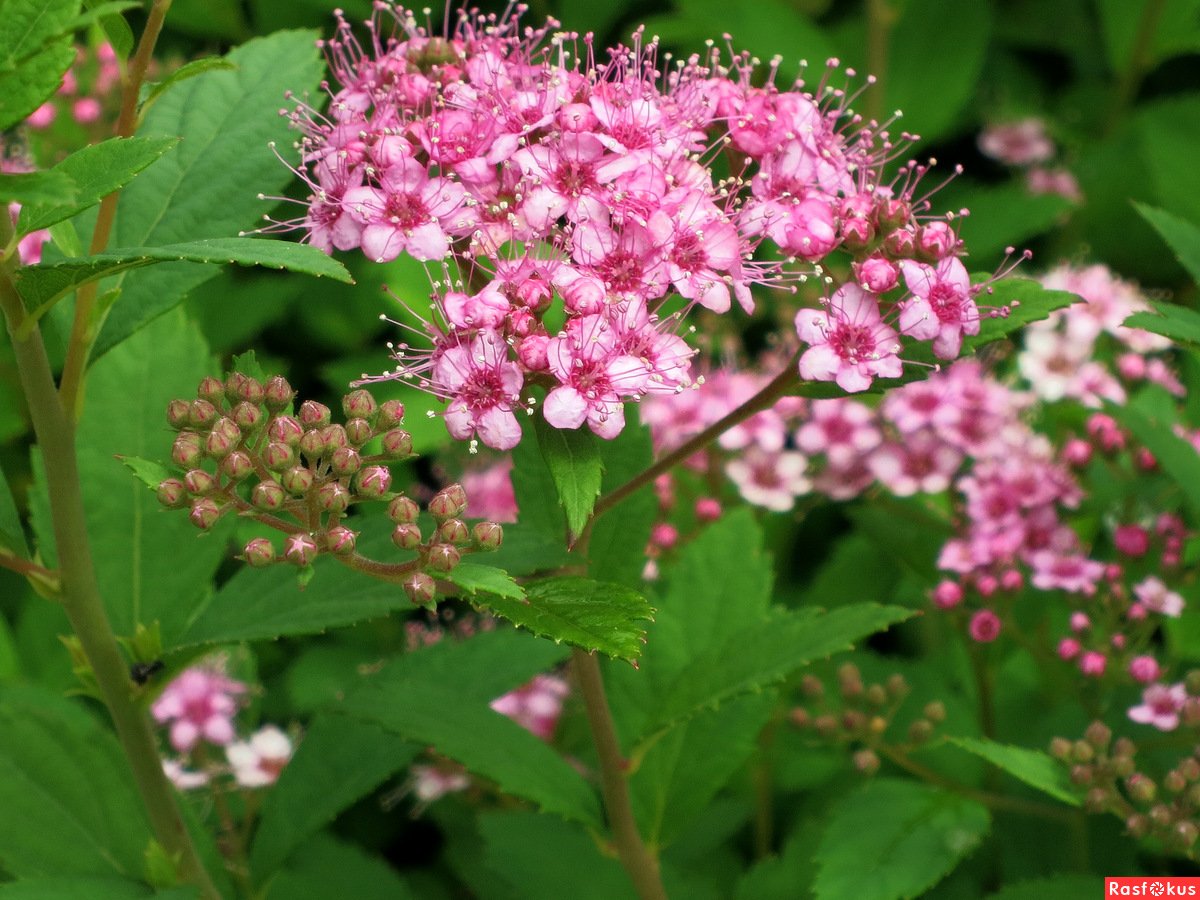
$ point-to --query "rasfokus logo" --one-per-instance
(1143, 886)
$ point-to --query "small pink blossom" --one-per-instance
(1069, 648)
(1155, 596)
(941, 308)
(1161, 705)
(1144, 669)
(200, 705)
(535, 706)
(1093, 664)
(984, 626)
(484, 387)
(850, 343)
(258, 761)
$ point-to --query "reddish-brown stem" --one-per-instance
(27, 568)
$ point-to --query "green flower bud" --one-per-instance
(359, 404)
(202, 414)
(278, 394)
(179, 414)
(403, 510)
(247, 416)
(259, 552)
(314, 415)
(488, 536)
(237, 465)
(443, 557)
(345, 461)
(268, 496)
(339, 540)
(297, 480)
(358, 432)
(205, 513)
(374, 481)
(407, 536)
(397, 444)
(172, 493)
(188, 449)
(333, 497)
(212, 390)
(278, 456)
(198, 482)
(420, 588)
(391, 414)
(454, 531)
(286, 430)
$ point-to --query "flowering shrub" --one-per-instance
(713, 502)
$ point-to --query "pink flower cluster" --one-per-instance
(611, 195)
(84, 89)
(1024, 143)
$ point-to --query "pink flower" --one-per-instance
(490, 492)
(948, 594)
(484, 386)
(410, 211)
(850, 343)
(199, 704)
(1017, 143)
(594, 378)
(984, 627)
(535, 706)
(1093, 664)
(921, 464)
(1154, 595)
(1161, 705)
(772, 481)
(1144, 669)
(941, 308)
(258, 761)
(1069, 648)
(841, 429)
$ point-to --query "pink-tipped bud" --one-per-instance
(249, 390)
(533, 352)
(892, 213)
(312, 445)
(1140, 788)
(420, 588)
(1105, 433)
(268, 496)
(488, 536)
(314, 414)
(247, 416)
(857, 233)
(339, 540)
(237, 465)
(1144, 669)
(1068, 649)
(333, 497)
(179, 414)
(286, 430)
(259, 552)
(1012, 581)
(453, 531)
(900, 244)
(1118, 641)
(876, 274)
(391, 414)
(278, 456)
(1077, 453)
(374, 481)
(984, 626)
(297, 480)
(358, 432)
(1093, 664)
(1080, 621)
(708, 509)
(278, 394)
(443, 557)
(345, 461)
(407, 536)
(188, 449)
(448, 502)
(359, 405)
(334, 437)
(205, 513)
(987, 584)
(300, 549)
(936, 241)
(1145, 460)
(233, 386)
(866, 762)
(223, 439)
(397, 444)
(947, 595)
(664, 535)
(1132, 540)
(198, 482)
(403, 510)
(211, 389)
(172, 493)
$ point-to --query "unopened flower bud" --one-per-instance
(1137, 825)
(201, 414)
(936, 241)
(237, 465)
(1174, 782)
(1161, 815)
(876, 274)
(205, 513)
(1083, 752)
(900, 244)
(250, 390)
(850, 680)
(1081, 774)
(172, 493)
(876, 695)
(1140, 788)
(179, 413)
(391, 414)
(420, 588)
(857, 233)
(268, 496)
(1123, 746)
(1191, 681)
(1098, 735)
(188, 449)
(233, 386)
(397, 444)
(448, 503)
(374, 481)
(825, 725)
(259, 552)
(897, 686)
(211, 389)
(800, 717)
(340, 540)
(453, 531)
(407, 536)
(812, 686)
(1097, 800)
(935, 711)
(345, 461)
(278, 456)
(198, 482)
(708, 509)
(333, 497)
(334, 437)
(299, 549)
(443, 557)
(359, 405)
(312, 445)
(277, 393)
(314, 415)
(853, 721)
(1189, 768)
(1060, 748)
(403, 510)
(297, 480)
(1121, 766)
(286, 430)
(1191, 711)
(947, 595)
(247, 416)
(866, 761)
(487, 535)
(1077, 453)
(223, 439)
(358, 432)
(1185, 834)
(1131, 540)
(920, 731)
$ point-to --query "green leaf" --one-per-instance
(761, 654)
(149, 561)
(574, 462)
(328, 869)
(475, 579)
(339, 761)
(1060, 887)
(37, 187)
(1035, 768)
(617, 549)
(593, 615)
(1177, 31)
(209, 187)
(69, 804)
(12, 535)
(96, 171)
(1027, 301)
(43, 286)
(10, 665)
(895, 839)
(1172, 321)
(537, 540)
(1003, 216)
(1176, 456)
(23, 90)
(89, 888)
(1181, 236)
(146, 471)
(1168, 131)
(26, 26)
(116, 29)
(259, 604)
(151, 91)
(439, 697)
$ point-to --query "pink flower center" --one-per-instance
(406, 210)
(947, 302)
(852, 343)
(623, 271)
(573, 178)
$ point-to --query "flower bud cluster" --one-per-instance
(1165, 809)
(863, 715)
(243, 449)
